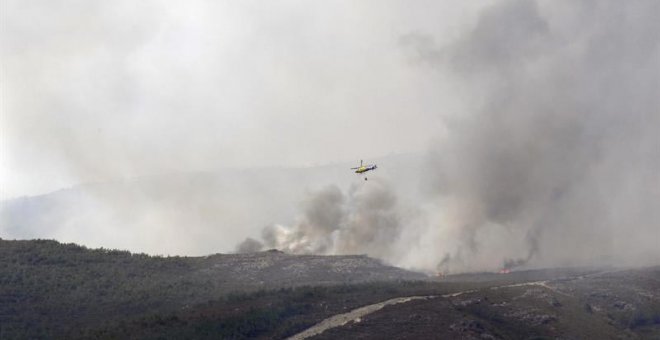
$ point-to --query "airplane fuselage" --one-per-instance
(364, 169)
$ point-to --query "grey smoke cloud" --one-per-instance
(128, 95)
(563, 145)
(93, 91)
(556, 161)
(249, 245)
(365, 220)
(542, 118)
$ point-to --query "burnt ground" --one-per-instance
(557, 303)
(595, 305)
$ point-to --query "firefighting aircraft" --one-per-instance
(364, 168)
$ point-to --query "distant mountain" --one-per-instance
(188, 213)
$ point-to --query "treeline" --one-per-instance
(48, 288)
(54, 290)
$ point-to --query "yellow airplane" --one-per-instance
(364, 168)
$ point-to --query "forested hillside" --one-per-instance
(48, 288)
(65, 291)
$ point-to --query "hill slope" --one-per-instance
(53, 290)
(48, 288)
(597, 305)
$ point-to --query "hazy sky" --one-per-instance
(553, 159)
(95, 90)
(538, 120)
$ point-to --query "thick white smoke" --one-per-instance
(545, 115)
(562, 149)
(556, 162)
(366, 220)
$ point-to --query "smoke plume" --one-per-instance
(249, 245)
(365, 220)
(541, 117)
(561, 144)
(555, 161)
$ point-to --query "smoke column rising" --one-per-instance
(542, 119)
(563, 147)
(363, 221)
(556, 161)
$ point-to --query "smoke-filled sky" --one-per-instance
(555, 162)
(95, 90)
(539, 119)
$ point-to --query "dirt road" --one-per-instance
(356, 314)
